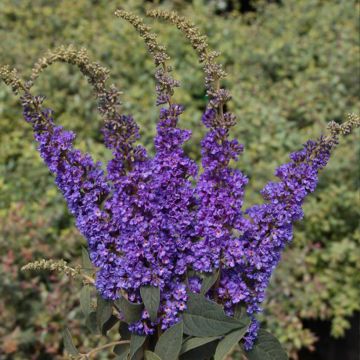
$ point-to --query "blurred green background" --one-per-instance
(293, 66)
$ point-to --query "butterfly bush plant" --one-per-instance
(176, 263)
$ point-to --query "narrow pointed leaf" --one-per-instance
(149, 355)
(228, 343)
(131, 311)
(205, 318)
(122, 351)
(202, 352)
(208, 281)
(85, 300)
(195, 342)
(136, 342)
(86, 262)
(240, 312)
(169, 344)
(151, 299)
(124, 332)
(91, 323)
(103, 311)
(267, 347)
(68, 343)
(109, 324)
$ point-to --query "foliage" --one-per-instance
(186, 337)
(291, 69)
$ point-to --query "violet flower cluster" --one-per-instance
(155, 220)
(159, 221)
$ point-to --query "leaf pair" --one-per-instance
(208, 326)
(221, 349)
(133, 311)
(167, 348)
(101, 320)
(204, 318)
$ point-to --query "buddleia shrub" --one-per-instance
(267, 108)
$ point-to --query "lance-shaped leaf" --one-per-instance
(122, 351)
(209, 279)
(204, 318)
(149, 355)
(151, 299)
(86, 262)
(68, 343)
(202, 352)
(131, 311)
(136, 342)
(103, 311)
(267, 347)
(240, 312)
(196, 342)
(169, 344)
(91, 323)
(228, 343)
(85, 300)
(124, 332)
(109, 324)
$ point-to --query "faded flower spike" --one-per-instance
(214, 72)
(60, 266)
(165, 84)
(173, 249)
(11, 78)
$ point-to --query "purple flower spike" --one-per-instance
(147, 224)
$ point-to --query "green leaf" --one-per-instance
(86, 262)
(149, 355)
(200, 353)
(204, 318)
(91, 323)
(228, 343)
(208, 281)
(122, 351)
(85, 300)
(109, 324)
(169, 344)
(131, 311)
(267, 347)
(136, 342)
(124, 331)
(195, 342)
(240, 312)
(68, 343)
(103, 311)
(151, 299)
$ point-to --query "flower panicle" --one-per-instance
(256, 252)
(120, 131)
